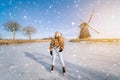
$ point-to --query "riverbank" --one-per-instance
(20, 41)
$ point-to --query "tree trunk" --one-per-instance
(30, 37)
(14, 35)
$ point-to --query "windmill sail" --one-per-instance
(90, 16)
(94, 30)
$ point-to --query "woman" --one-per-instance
(56, 48)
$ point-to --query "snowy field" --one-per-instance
(83, 61)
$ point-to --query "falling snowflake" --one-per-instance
(58, 17)
(9, 14)
(34, 3)
(28, 2)
(35, 20)
(10, 2)
(76, 5)
(50, 6)
(39, 21)
(79, 76)
(20, 2)
(51, 29)
(3, 4)
(73, 23)
(68, 6)
(107, 74)
(113, 17)
(74, 55)
(75, 1)
(12, 67)
(15, 7)
(25, 17)
(114, 64)
(77, 71)
(19, 74)
(91, 4)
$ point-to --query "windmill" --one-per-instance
(84, 28)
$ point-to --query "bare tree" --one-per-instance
(28, 31)
(12, 26)
(0, 36)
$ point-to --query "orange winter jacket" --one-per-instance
(57, 42)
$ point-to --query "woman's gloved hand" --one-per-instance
(51, 53)
(60, 50)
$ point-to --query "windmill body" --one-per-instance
(84, 33)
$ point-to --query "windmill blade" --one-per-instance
(90, 16)
(94, 30)
(81, 21)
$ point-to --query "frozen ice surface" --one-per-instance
(83, 61)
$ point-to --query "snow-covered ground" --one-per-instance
(83, 61)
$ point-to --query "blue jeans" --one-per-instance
(55, 53)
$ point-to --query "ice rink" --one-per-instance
(84, 61)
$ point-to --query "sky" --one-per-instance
(49, 16)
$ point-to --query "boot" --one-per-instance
(52, 68)
(63, 70)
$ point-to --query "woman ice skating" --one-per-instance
(56, 48)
